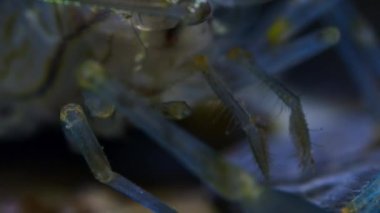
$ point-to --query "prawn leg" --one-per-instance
(297, 121)
(79, 132)
(241, 114)
(226, 179)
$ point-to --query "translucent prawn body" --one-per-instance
(105, 64)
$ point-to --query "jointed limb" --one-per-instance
(80, 134)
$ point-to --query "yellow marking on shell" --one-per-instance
(275, 33)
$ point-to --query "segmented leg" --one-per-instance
(79, 133)
(241, 114)
(297, 122)
(228, 180)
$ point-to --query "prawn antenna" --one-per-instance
(79, 132)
